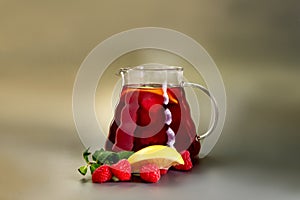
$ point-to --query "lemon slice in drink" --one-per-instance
(163, 156)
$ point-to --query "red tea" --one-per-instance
(152, 114)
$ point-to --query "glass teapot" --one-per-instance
(153, 110)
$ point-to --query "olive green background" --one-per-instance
(255, 44)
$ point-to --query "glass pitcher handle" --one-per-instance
(215, 108)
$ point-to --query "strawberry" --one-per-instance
(163, 171)
(187, 161)
(122, 170)
(102, 174)
(150, 173)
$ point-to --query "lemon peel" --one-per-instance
(160, 155)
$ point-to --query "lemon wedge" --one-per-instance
(163, 156)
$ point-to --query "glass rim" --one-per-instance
(152, 68)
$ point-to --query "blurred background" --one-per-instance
(255, 45)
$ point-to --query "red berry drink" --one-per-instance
(152, 115)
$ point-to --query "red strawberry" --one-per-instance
(122, 170)
(150, 173)
(163, 171)
(187, 161)
(102, 174)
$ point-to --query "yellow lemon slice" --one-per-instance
(163, 156)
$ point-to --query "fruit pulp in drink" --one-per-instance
(152, 114)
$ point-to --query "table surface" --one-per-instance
(256, 157)
(46, 168)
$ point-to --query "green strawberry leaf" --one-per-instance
(93, 167)
(112, 158)
(86, 154)
(96, 154)
(100, 156)
(83, 170)
(124, 154)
